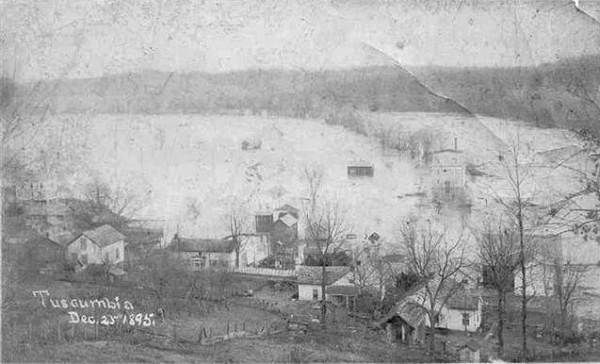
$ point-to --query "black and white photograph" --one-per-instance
(300, 181)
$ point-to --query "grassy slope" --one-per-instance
(562, 94)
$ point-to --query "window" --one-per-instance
(84, 258)
(83, 244)
(315, 294)
(74, 256)
(355, 171)
(117, 253)
(465, 319)
(106, 257)
(447, 186)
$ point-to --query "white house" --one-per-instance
(96, 246)
(309, 281)
(463, 311)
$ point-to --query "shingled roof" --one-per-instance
(288, 220)
(463, 301)
(408, 310)
(144, 236)
(313, 275)
(104, 235)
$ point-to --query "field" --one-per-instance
(32, 333)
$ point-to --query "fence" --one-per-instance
(266, 271)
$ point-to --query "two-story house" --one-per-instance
(448, 172)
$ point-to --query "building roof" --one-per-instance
(288, 208)
(140, 235)
(38, 240)
(463, 301)
(447, 151)
(288, 220)
(63, 239)
(313, 275)
(360, 163)
(104, 235)
(409, 311)
(203, 245)
(342, 290)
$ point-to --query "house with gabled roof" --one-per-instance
(405, 322)
(200, 254)
(140, 241)
(97, 246)
(286, 209)
(44, 253)
(460, 310)
(336, 283)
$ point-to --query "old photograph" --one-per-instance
(300, 181)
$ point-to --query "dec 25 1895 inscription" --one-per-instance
(112, 311)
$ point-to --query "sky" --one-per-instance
(79, 39)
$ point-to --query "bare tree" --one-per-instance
(237, 223)
(567, 280)
(437, 260)
(499, 256)
(123, 201)
(522, 212)
(372, 270)
(325, 229)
